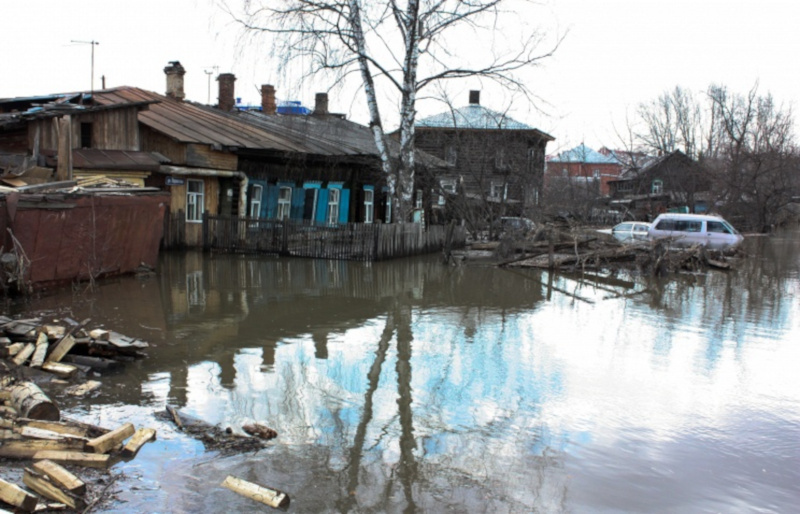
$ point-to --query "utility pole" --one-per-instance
(210, 71)
(93, 43)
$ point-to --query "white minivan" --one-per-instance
(712, 232)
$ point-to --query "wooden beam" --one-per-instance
(54, 426)
(61, 476)
(41, 485)
(27, 350)
(14, 495)
(61, 349)
(60, 369)
(40, 351)
(89, 460)
(109, 441)
(271, 497)
(31, 402)
(139, 439)
(27, 448)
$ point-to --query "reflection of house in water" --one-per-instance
(220, 306)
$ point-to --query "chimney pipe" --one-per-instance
(474, 97)
(268, 105)
(175, 73)
(226, 101)
(321, 104)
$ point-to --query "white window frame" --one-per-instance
(388, 208)
(334, 197)
(657, 187)
(418, 201)
(448, 187)
(495, 187)
(284, 203)
(255, 200)
(195, 201)
(369, 205)
(596, 174)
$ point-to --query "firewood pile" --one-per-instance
(64, 459)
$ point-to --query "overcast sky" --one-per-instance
(616, 54)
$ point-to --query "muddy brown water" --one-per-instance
(407, 386)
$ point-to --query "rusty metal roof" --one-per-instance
(191, 123)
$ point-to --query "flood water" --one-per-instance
(408, 386)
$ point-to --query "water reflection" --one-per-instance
(408, 386)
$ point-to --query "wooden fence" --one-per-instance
(351, 241)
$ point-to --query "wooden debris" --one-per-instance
(61, 476)
(255, 492)
(15, 348)
(99, 364)
(54, 331)
(100, 334)
(175, 417)
(27, 448)
(19, 498)
(40, 484)
(53, 426)
(107, 442)
(42, 433)
(20, 358)
(31, 402)
(61, 348)
(259, 430)
(40, 351)
(89, 460)
(83, 389)
(122, 341)
(139, 439)
(60, 369)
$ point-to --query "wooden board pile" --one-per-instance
(64, 349)
(31, 428)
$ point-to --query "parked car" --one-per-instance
(713, 232)
(508, 224)
(631, 231)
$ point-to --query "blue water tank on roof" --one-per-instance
(292, 107)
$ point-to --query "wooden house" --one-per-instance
(672, 181)
(492, 158)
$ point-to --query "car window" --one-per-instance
(666, 225)
(688, 225)
(717, 227)
(640, 228)
(622, 227)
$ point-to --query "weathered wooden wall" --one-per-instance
(115, 129)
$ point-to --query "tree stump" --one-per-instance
(31, 402)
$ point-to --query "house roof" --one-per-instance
(583, 154)
(92, 158)
(192, 123)
(476, 116)
(653, 163)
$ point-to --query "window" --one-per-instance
(86, 135)
(565, 173)
(333, 206)
(418, 203)
(369, 205)
(596, 174)
(448, 188)
(255, 201)
(451, 155)
(717, 227)
(658, 187)
(388, 209)
(499, 190)
(500, 159)
(194, 200)
(284, 203)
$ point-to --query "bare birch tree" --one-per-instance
(403, 44)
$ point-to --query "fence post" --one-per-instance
(206, 240)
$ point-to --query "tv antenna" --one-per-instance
(94, 44)
(210, 71)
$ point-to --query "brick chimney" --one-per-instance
(268, 105)
(175, 73)
(474, 97)
(226, 100)
(321, 104)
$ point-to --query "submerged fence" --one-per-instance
(351, 241)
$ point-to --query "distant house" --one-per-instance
(494, 160)
(585, 168)
(672, 181)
